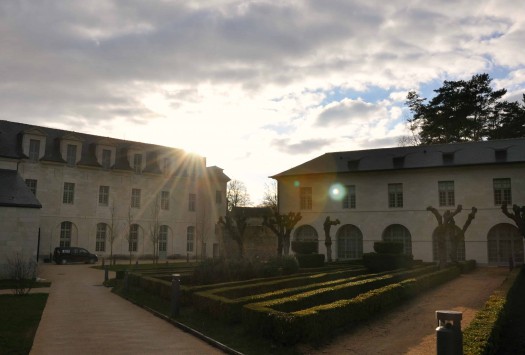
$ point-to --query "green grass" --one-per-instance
(232, 336)
(10, 284)
(20, 316)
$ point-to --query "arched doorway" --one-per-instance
(399, 233)
(349, 243)
(306, 233)
(504, 241)
(435, 249)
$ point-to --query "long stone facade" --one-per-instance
(383, 194)
(115, 196)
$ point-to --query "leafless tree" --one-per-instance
(235, 224)
(127, 236)
(113, 231)
(517, 215)
(447, 230)
(202, 229)
(237, 195)
(154, 228)
(23, 272)
(282, 225)
(270, 197)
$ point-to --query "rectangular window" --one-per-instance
(71, 156)
(305, 197)
(349, 200)
(34, 150)
(165, 200)
(395, 195)
(137, 163)
(31, 183)
(106, 158)
(69, 193)
(133, 237)
(135, 198)
(502, 191)
(446, 193)
(218, 196)
(103, 195)
(189, 239)
(192, 200)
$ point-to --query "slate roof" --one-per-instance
(503, 151)
(11, 146)
(14, 191)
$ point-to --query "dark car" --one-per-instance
(64, 255)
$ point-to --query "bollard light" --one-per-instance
(175, 295)
(449, 338)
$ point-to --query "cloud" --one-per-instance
(246, 81)
(302, 147)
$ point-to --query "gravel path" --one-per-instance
(410, 328)
(84, 317)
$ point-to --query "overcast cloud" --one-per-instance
(255, 86)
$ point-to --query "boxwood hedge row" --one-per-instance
(316, 323)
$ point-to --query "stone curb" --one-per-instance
(187, 329)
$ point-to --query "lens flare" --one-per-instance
(337, 192)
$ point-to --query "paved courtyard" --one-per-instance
(84, 317)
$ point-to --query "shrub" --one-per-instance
(310, 260)
(388, 247)
(22, 272)
(382, 262)
(305, 247)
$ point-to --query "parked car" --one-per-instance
(64, 255)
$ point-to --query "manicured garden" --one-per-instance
(278, 311)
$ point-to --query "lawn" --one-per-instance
(20, 317)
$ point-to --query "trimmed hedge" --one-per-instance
(483, 334)
(305, 247)
(311, 323)
(376, 262)
(310, 260)
(388, 247)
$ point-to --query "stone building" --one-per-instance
(383, 194)
(108, 194)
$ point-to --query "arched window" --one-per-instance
(163, 238)
(349, 242)
(503, 242)
(133, 237)
(305, 233)
(100, 240)
(435, 249)
(65, 233)
(399, 233)
(190, 234)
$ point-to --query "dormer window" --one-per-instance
(106, 158)
(71, 155)
(166, 166)
(501, 155)
(448, 158)
(353, 165)
(34, 150)
(399, 162)
(137, 163)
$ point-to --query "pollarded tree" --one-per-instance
(447, 230)
(235, 223)
(465, 111)
(517, 215)
(282, 225)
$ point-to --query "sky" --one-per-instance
(256, 87)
